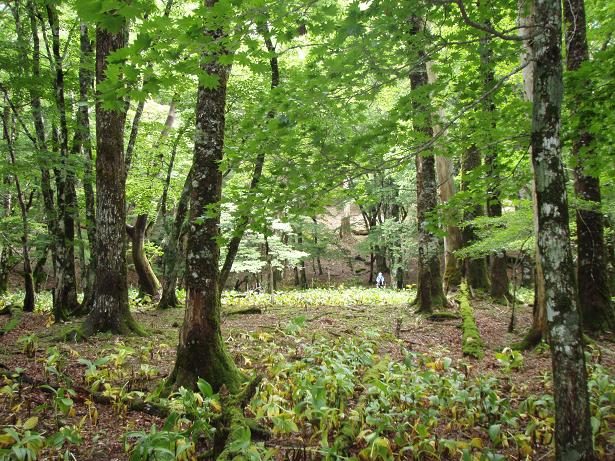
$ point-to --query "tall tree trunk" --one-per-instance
(29, 296)
(170, 261)
(244, 217)
(430, 293)
(539, 329)
(148, 282)
(594, 298)
(573, 433)
(65, 295)
(110, 307)
(474, 269)
(453, 240)
(39, 128)
(201, 352)
(498, 267)
(85, 137)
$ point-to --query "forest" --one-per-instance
(307, 230)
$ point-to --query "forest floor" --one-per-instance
(349, 372)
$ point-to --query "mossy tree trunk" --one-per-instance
(110, 305)
(573, 433)
(594, 297)
(430, 293)
(201, 352)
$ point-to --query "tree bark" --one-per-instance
(453, 240)
(83, 122)
(148, 282)
(201, 352)
(430, 293)
(595, 307)
(110, 307)
(170, 262)
(65, 301)
(474, 269)
(539, 329)
(244, 217)
(573, 433)
(498, 267)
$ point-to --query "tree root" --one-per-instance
(232, 425)
(138, 405)
(250, 310)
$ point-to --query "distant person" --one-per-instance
(380, 280)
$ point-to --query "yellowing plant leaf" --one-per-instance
(30, 423)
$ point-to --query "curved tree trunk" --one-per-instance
(148, 282)
(110, 307)
(201, 352)
(573, 433)
(594, 298)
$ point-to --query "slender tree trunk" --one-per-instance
(573, 433)
(430, 293)
(110, 307)
(170, 262)
(244, 217)
(85, 137)
(594, 298)
(475, 269)
(6, 254)
(29, 296)
(201, 352)
(538, 330)
(498, 267)
(39, 128)
(148, 282)
(65, 294)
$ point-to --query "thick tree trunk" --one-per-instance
(595, 307)
(474, 269)
(201, 352)
(6, 253)
(573, 433)
(148, 282)
(110, 307)
(170, 262)
(430, 293)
